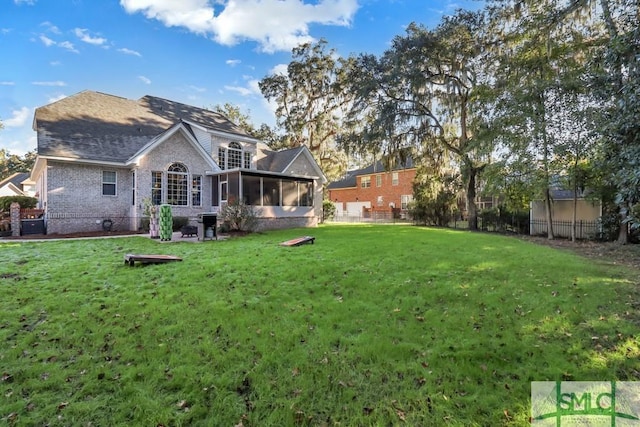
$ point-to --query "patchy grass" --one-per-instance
(371, 325)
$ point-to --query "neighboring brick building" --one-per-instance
(366, 192)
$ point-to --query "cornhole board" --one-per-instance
(149, 259)
(299, 241)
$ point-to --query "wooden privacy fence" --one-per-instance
(31, 213)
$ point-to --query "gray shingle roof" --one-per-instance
(101, 127)
(277, 161)
(15, 179)
(558, 194)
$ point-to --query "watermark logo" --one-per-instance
(585, 403)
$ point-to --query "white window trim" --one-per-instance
(245, 154)
(199, 189)
(114, 183)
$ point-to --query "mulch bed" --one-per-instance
(608, 252)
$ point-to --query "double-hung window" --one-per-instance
(405, 199)
(222, 158)
(365, 182)
(196, 190)
(156, 188)
(108, 183)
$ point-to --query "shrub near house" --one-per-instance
(25, 202)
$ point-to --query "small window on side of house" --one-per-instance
(222, 158)
(156, 188)
(394, 178)
(196, 190)
(405, 199)
(133, 188)
(365, 182)
(108, 183)
(378, 180)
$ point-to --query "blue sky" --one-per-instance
(199, 52)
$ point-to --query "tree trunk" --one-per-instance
(548, 212)
(623, 235)
(617, 74)
(472, 213)
(574, 218)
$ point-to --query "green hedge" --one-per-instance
(24, 201)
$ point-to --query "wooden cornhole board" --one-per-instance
(149, 259)
(299, 241)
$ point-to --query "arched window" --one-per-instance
(234, 159)
(177, 185)
(233, 156)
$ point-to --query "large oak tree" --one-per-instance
(421, 94)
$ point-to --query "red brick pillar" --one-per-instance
(14, 210)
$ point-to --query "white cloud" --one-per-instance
(53, 83)
(232, 62)
(18, 118)
(280, 69)
(274, 24)
(7, 83)
(69, 46)
(55, 63)
(252, 88)
(83, 34)
(29, 2)
(55, 98)
(129, 52)
(50, 27)
(65, 44)
(239, 89)
(46, 40)
(144, 80)
(19, 141)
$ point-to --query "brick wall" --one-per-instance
(390, 193)
(175, 149)
(75, 201)
(285, 222)
(74, 191)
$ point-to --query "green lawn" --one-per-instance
(371, 325)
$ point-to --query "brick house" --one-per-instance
(102, 157)
(374, 191)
